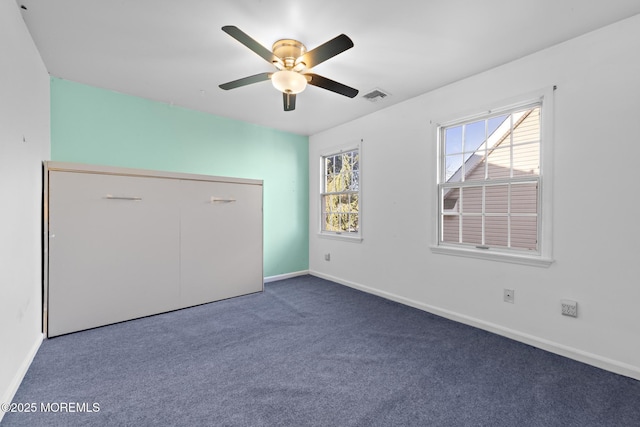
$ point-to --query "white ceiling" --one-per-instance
(174, 51)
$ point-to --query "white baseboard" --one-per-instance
(8, 394)
(285, 276)
(544, 344)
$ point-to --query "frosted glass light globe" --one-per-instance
(289, 81)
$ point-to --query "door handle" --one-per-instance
(221, 200)
(111, 197)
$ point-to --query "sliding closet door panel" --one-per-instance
(113, 249)
(221, 240)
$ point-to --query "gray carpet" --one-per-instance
(308, 352)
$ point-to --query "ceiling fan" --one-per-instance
(292, 60)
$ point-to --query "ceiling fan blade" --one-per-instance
(289, 101)
(244, 38)
(331, 85)
(325, 51)
(246, 81)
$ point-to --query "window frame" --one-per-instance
(543, 256)
(352, 236)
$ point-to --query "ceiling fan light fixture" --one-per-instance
(289, 81)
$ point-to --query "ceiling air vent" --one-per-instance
(375, 95)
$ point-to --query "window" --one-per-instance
(340, 194)
(489, 184)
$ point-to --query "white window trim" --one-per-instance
(356, 238)
(544, 257)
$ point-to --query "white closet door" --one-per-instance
(221, 240)
(113, 249)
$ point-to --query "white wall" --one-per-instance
(596, 211)
(24, 144)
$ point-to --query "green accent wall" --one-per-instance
(98, 126)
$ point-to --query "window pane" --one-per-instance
(451, 228)
(353, 223)
(328, 165)
(472, 200)
(336, 183)
(500, 163)
(453, 140)
(496, 230)
(331, 222)
(329, 203)
(354, 184)
(453, 166)
(528, 130)
(494, 124)
(347, 160)
(526, 159)
(356, 161)
(354, 203)
(450, 197)
(524, 232)
(472, 229)
(524, 198)
(346, 178)
(337, 162)
(474, 167)
(343, 218)
(474, 136)
(330, 184)
(496, 198)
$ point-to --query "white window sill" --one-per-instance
(533, 260)
(345, 237)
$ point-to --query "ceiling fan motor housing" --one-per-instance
(289, 50)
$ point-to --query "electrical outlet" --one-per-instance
(569, 308)
(509, 295)
(327, 257)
